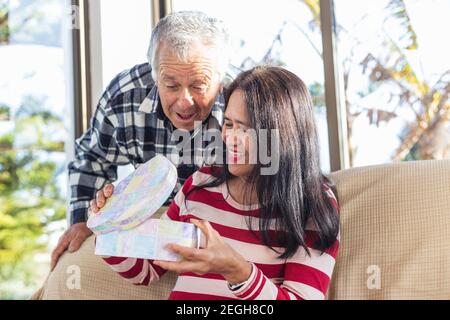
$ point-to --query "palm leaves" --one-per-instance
(398, 11)
(428, 101)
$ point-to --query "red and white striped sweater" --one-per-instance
(299, 277)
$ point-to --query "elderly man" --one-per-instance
(181, 85)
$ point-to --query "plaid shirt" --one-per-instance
(129, 127)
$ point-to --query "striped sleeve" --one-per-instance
(173, 212)
(143, 271)
(137, 271)
(305, 278)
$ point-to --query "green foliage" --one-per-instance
(4, 25)
(4, 112)
(30, 196)
(317, 91)
(30, 199)
(6, 141)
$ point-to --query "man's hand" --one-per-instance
(74, 237)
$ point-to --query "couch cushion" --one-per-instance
(82, 275)
(395, 224)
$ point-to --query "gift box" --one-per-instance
(148, 240)
(124, 227)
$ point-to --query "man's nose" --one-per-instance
(186, 100)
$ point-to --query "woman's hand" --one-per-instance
(218, 257)
(101, 196)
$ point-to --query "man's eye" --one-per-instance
(200, 87)
(171, 86)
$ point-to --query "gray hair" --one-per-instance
(180, 30)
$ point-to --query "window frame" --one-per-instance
(334, 90)
(88, 76)
(81, 61)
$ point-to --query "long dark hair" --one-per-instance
(277, 99)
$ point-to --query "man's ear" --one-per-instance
(154, 76)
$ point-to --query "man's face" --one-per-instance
(187, 89)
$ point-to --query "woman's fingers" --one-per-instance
(209, 232)
(187, 252)
(101, 196)
(203, 226)
(108, 190)
(100, 199)
(93, 206)
(181, 266)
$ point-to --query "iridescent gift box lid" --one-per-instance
(137, 197)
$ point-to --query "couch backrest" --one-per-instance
(395, 232)
(395, 241)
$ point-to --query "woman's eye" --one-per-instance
(244, 131)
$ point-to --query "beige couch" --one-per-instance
(395, 241)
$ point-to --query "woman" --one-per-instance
(268, 236)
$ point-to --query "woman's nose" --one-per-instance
(232, 137)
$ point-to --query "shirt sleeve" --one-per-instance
(306, 277)
(97, 155)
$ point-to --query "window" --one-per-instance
(123, 44)
(115, 46)
(285, 33)
(34, 129)
(394, 57)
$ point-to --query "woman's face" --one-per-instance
(239, 137)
